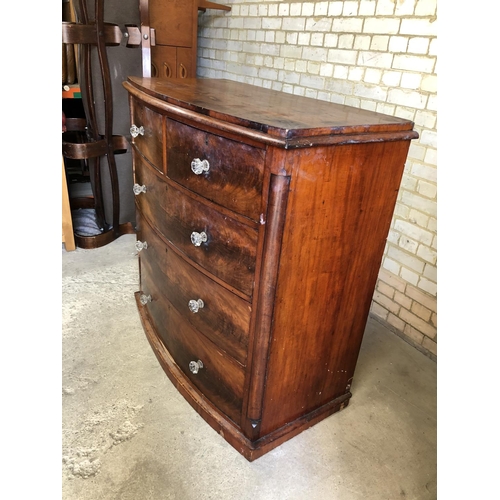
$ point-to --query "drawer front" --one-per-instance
(223, 317)
(150, 142)
(235, 170)
(221, 379)
(229, 251)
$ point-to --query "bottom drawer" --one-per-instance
(221, 378)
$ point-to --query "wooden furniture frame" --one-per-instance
(169, 36)
(262, 221)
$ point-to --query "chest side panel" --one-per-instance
(338, 216)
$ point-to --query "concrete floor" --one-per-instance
(129, 435)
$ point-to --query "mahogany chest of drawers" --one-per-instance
(261, 225)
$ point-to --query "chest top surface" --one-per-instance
(269, 111)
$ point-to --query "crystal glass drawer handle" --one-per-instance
(145, 299)
(141, 245)
(198, 238)
(139, 189)
(196, 305)
(194, 366)
(135, 131)
(199, 166)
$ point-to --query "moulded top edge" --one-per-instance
(272, 112)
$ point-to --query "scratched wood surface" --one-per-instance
(276, 113)
(296, 227)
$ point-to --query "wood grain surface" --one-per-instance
(296, 208)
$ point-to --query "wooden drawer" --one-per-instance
(235, 173)
(229, 252)
(150, 142)
(221, 379)
(224, 317)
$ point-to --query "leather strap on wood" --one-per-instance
(87, 33)
(82, 151)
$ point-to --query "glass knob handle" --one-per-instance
(198, 238)
(135, 131)
(196, 305)
(199, 166)
(195, 366)
(145, 299)
(141, 245)
(139, 189)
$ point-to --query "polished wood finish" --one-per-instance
(296, 205)
(278, 197)
(150, 143)
(204, 5)
(164, 62)
(170, 36)
(221, 379)
(236, 170)
(225, 317)
(336, 225)
(175, 22)
(275, 114)
(230, 250)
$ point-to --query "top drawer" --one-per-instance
(149, 138)
(230, 173)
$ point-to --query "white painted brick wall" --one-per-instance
(379, 55)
